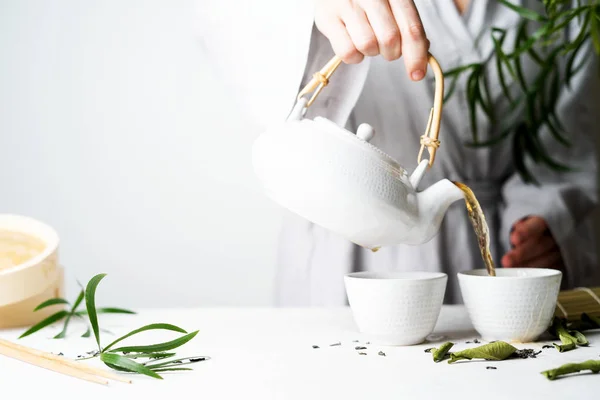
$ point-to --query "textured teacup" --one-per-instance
(515, 305)
(396, 308)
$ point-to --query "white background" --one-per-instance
(113, 130)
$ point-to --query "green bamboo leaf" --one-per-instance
(491, 142)
(472, 100)
(451, 89)
(46, 322)
(500, 60)
(524, 12)
(486, 98)
(535, 56)
(519, 159)
(154, 356)
(87, 333)
(492, 351)
(525, 42)
(62, 334)
(179, 361)
(159, 326)
(114, 310)
(155, 348)
(78, 300)
(556, 134)
(530, 145)
(127, 364)
(90, 304)
(521, 35)
(595, 32)
(571, 368)
(51, 302)
(570, 69)
(460, 70)
(545, 157)
(108, 310)
(441, 353)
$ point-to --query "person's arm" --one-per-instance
(558, 232)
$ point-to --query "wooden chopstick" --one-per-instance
(57, 363)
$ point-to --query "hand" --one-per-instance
(533, 246)
(359, 28)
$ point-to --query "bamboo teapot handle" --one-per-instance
(429, 139)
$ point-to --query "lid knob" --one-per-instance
(365, 132)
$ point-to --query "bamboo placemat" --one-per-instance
(572, 303)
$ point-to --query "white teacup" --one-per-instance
(515, 305)
(396, 308)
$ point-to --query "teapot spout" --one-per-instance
(433, 203)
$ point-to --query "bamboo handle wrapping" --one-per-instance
(429, 139)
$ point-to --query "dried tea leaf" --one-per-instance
(580, 338)
(492, 351)
(571, 368)
(441, 353)
(569, 341)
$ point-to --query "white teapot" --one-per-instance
(338, 180)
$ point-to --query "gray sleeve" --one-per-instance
(566, 200)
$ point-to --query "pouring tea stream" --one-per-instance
(339, 180)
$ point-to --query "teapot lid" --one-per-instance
(362, 138)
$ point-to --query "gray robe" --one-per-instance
(312, 261)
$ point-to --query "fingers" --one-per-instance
(385, 28)
(340, 40)
(529, 251)
(366, 28)
(528, 228)
(415, 45)
(361, 33)
(551, 259)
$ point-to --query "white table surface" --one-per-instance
(268, 354)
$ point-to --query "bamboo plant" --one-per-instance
(535, 106)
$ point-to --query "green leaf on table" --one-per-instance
(127, 364)
(90, 304)
(159, 326)
(87, 333)
(51, 302)
(178, 361)
(495, 351)
(160, 347)
(44, 323)
(571, 368)
(154, 356)
(442, 352)
(78, 301)
(108, 310)
(568, 340)
(580, 338)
